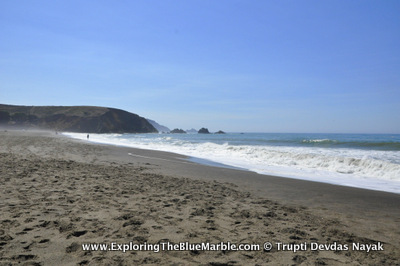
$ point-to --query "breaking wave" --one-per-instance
(358, 167)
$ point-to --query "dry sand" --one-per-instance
(58, 193)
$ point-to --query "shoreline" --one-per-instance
(61, 192)
(314, 175)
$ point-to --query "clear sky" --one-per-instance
(248, 66)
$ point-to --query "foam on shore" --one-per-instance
(376, 170)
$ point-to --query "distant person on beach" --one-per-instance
(87, 136)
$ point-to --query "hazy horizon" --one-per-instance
(236, 66)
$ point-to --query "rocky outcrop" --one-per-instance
(178, 131)
(191, 131)
(203, 131)
(88, 119)
(220, 132)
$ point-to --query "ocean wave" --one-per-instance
(333, 165)
(334, 161)
(319, 141)
(374, 145)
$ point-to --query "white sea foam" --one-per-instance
(378, 170)
(318, 140)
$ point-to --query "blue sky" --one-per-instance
(249, 66)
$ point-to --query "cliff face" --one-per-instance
(157, 126)
(87, 119)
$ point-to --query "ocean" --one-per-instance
(370, 161)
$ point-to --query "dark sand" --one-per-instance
(58, 193)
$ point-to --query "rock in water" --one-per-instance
(203, 131)
(178, 131)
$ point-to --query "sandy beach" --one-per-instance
(58, 194)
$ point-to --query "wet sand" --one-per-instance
(58, 193)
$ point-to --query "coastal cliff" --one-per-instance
(159, 127)
(87, 119)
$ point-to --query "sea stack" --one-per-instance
(178, 131)
(204, 131)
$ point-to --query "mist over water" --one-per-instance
(359, 160)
